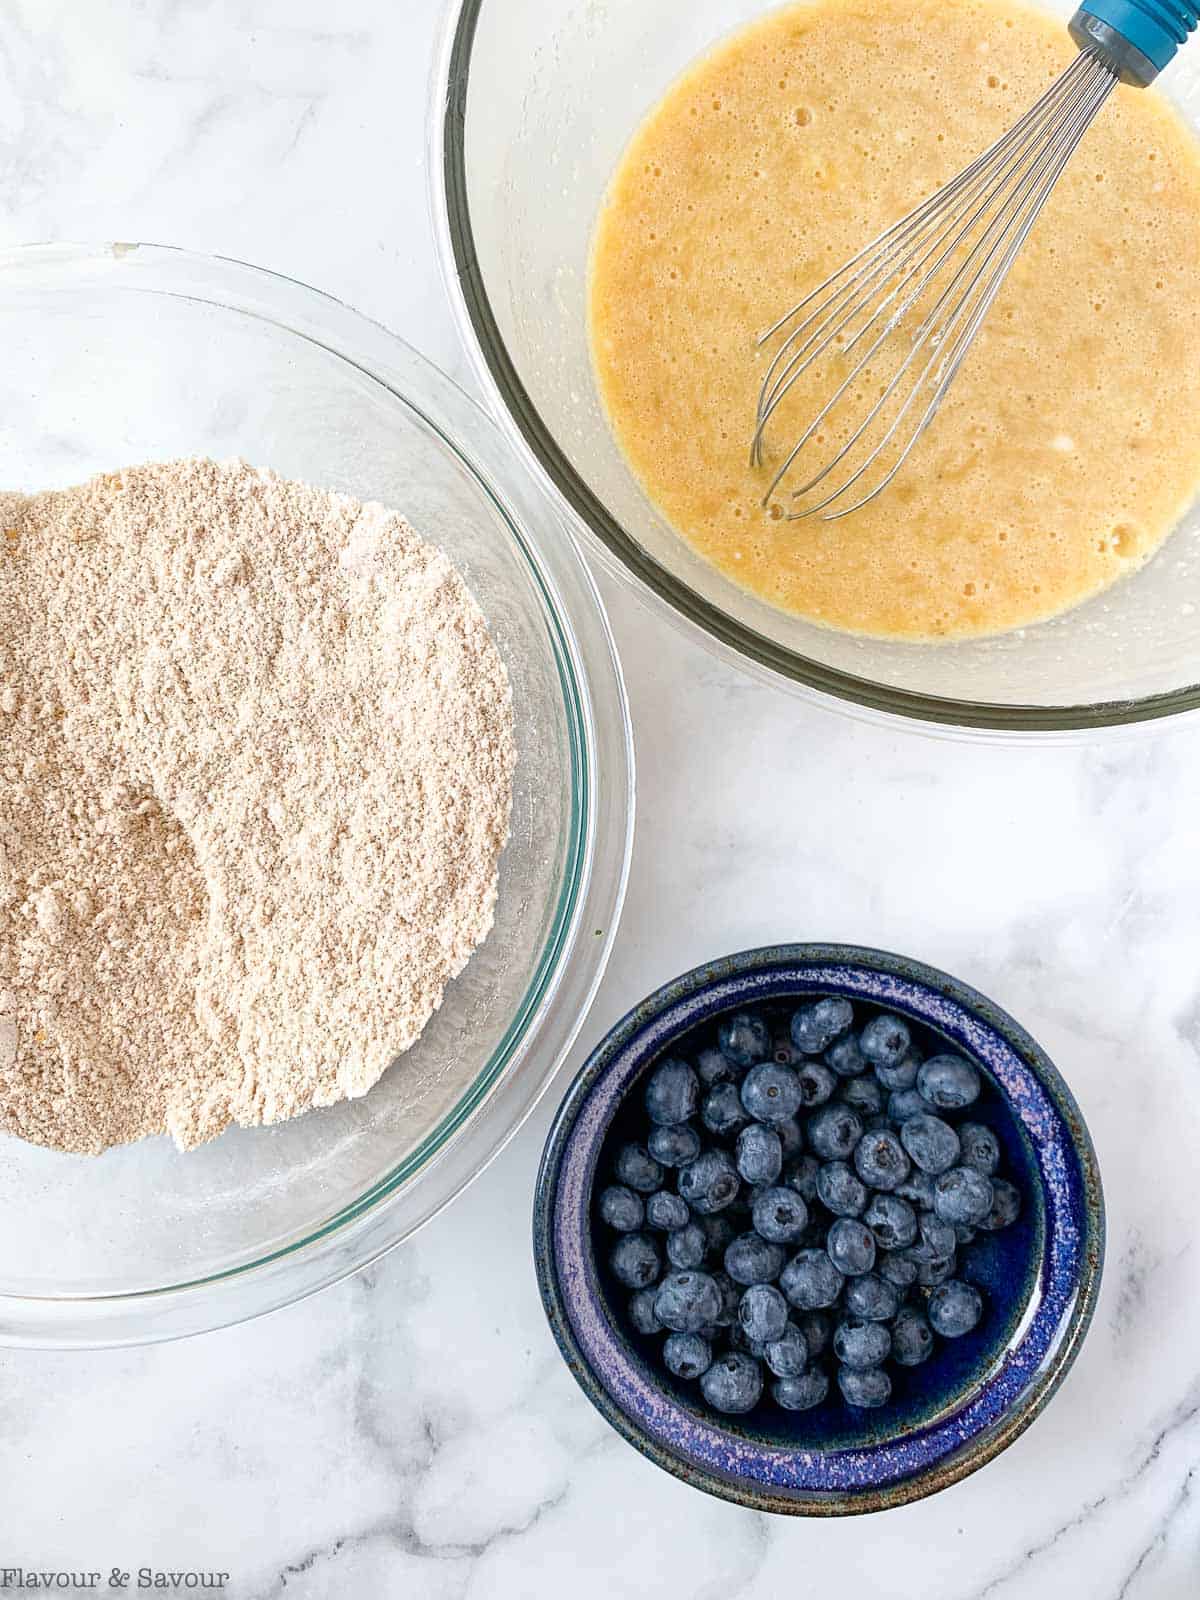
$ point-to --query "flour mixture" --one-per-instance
(255, 777)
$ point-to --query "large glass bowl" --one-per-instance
(533, 103)
(120, 354)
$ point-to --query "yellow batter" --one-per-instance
(1068, 447)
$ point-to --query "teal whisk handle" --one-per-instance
(1136, 37)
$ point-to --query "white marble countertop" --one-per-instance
(413, 1433)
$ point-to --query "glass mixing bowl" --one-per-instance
(533, 104)
(120, 354)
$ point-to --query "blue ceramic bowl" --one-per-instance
(948, 1417)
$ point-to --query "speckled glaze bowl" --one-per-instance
(961, 1408)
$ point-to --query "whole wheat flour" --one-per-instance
(256, 759)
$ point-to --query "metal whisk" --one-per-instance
(891, 328)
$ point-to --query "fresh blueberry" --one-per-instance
(935, 1239)
(784, 1051)
(741, 1340)
(731, 1298)
(811, 1281)
(779, 1215)
(932, 1143)
(872, 1298)
(948, 1082)
(870, 1388)
(666, 1211)
(687, 1247)
(750, 1259)
(733, 1383)
(673, 1092)
(815, 1027)
(791, 1137)
(802, 1177)
(713, 1068)
(641, 1312)
(880, 1161)
(861, 1344)
(817, 1083)
(980, 1147)
(1006, 1206)
(744, 1038)
(954, 1309)
(840, 1190)
(763, 1313)
(759, 1153)
(622, 1209)
(787, 1356)
(936, 1270)
(892, 1220)
(845, 1058)
(635, 1261)
(638, 1170)
(802, 1393)
(817, 1329)
(917, 1189)
(897, 1267)
(722, 1111)
(905, 1103)
(851, 1246)
(912, 1338)
(833, 1132)
(709, 1183)
(963, 1195)
(719, 1232)
(686, 1301)
(864, 1096)
(902, 1074)
(687, 1355)
(674, 1146)
(771, 1093)
(885, 1040)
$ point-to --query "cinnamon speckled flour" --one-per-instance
(256, 758)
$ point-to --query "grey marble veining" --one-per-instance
(412, 1432)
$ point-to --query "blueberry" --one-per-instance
(963, 1195)
(845, 1058)
(779, 1215)
(833, 1132)
(635, 1261)
(948, 1082)
(674, 1146)
(719, 1232)
(897, 1267)
(791, 1137)
(686, 1301)
(713, 1068)
(731, 1298)
(741, 1340)
(935, 1239)
(722, 1111)
(963, 1234)
(1006, 1206)
(840, 1191)
(687, 1247)
(638, 1170)
(641, 1312)
(892, 1220)
(771, 1093)
(687, 1355)
(917, 1189)
(870, 1388)
(763, 1313)
(733, 1383)
(802, 1177)
(860, 1344)
(954, 1309)
(980, 1147)
(880, 1161)
(905, 1103)
(709, 1183)
(673, 1092)
(802, 1393)
(784, 1051)
(787, 1356)
(817, 1083)
(817, 1329)
(936, 1270)
(872, 1298)
(666, 1211)
(815, 1027)
(864, 1096)
(902, 1074)
(759, 1153)
(750, 1259)
(621, 1208)
(811, 1281)
(912, 1338)
(744, 1038)
(885, 1040)
(851, 1246)
(932, 1143)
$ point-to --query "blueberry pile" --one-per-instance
(801, 1199)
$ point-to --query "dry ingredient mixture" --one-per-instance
(255, 778)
